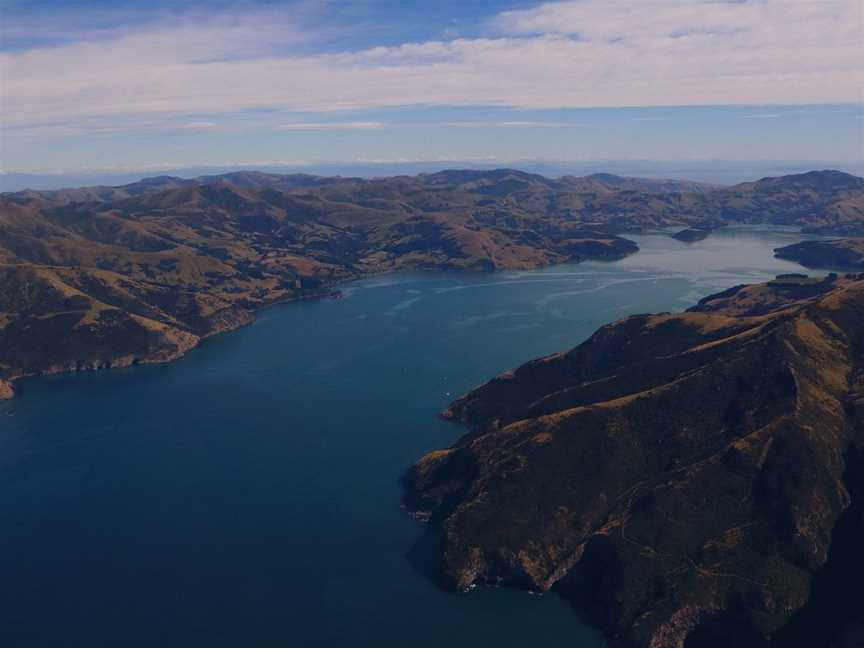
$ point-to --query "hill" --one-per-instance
(142, 272)
(680, 477)
(102, 277)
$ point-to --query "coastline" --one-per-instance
(8, 384)
(189, 342)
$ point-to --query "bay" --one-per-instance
(248, 494)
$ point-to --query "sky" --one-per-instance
(135, 84)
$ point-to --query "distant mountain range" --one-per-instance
(717, 172)
(101, 276)
(463, 178)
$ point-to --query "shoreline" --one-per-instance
(8, 384)
(331, 291)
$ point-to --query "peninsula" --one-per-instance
(677, 476)
(837, 254)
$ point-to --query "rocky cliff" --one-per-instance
(678, 476)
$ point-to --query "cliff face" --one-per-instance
(679, 475)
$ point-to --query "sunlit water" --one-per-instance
(248, 495)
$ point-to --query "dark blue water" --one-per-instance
(247, 495)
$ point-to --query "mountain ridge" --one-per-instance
(678, 476)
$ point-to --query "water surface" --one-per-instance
(247, 495)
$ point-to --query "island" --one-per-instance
(100, 277)
(684, 479)
(695, 234)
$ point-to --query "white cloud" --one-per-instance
(327, 126)
(100, 127)
(500, 124)
(764, 20)
(803, 112)
(585, 53)
(315, 126)
(764, 116)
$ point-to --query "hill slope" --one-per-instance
(114, 276)
(142, 272)
(679, 475)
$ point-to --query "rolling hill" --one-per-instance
(142, 272)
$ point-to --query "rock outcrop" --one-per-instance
(678, 476)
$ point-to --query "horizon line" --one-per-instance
(488, 161)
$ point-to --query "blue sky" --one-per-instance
(131, 84)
